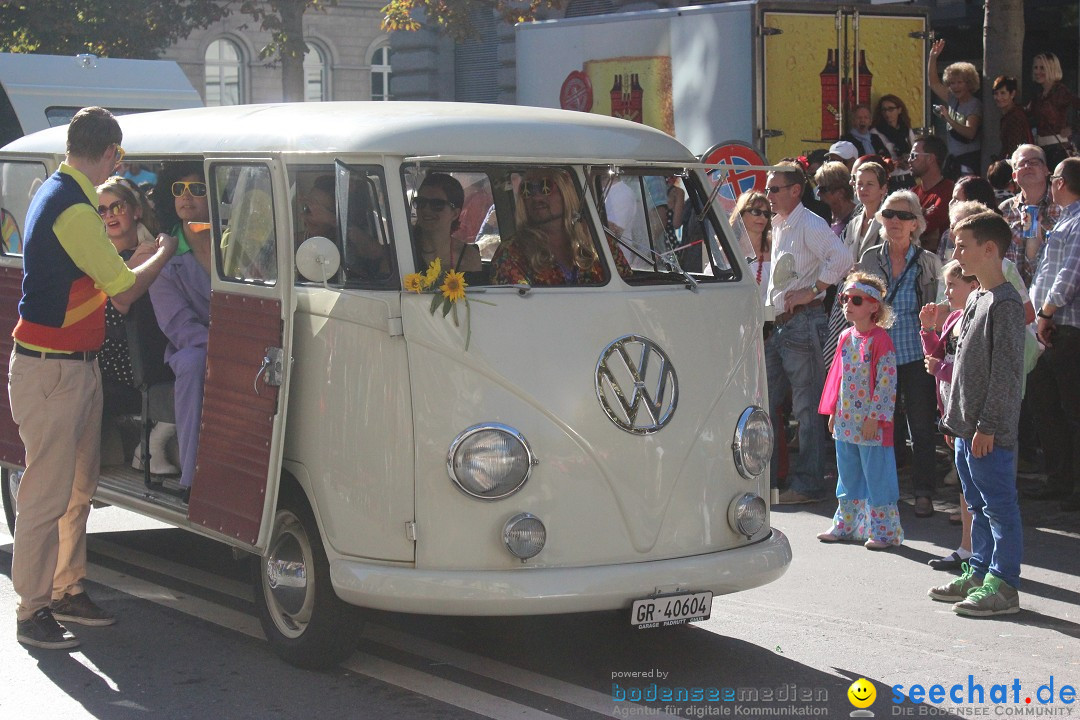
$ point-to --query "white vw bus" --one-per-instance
(597, 445)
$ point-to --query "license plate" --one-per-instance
(665, 610)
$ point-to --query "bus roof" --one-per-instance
(389, 128)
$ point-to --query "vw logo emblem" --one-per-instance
(636, 385)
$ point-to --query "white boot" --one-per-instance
(159, 458)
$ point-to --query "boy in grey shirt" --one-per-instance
(982, 414)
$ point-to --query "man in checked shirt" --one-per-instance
(807, 257)
(1054, 384)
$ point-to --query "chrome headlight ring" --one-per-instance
(753, 442)
(490, 461)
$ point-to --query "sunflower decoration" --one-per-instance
(451, 290)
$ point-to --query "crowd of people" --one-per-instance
(955, 320)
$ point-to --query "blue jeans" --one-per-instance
(793, 362)
(989, 484)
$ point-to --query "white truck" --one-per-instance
(778, 77)
(42, 91)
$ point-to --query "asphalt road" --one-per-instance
(188, 644)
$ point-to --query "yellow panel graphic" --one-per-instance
(633, 88)
(809, 76)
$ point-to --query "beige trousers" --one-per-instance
(57, 406)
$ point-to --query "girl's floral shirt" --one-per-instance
(858, 400)
(509, 266)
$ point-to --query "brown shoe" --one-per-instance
(794, 497)
(924, 507)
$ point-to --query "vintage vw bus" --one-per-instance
(593, 445)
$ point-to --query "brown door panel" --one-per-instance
(237, 422)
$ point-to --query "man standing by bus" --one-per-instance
(54, 383)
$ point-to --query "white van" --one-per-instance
(597, 445)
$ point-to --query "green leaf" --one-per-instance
(446, 306)
(435, 299)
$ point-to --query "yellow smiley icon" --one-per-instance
(862, 693)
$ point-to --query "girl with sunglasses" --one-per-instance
(131, 227)
(753, 212)
(438, 203)
(859, 399)
(910, 275)
(181, 296)
(893, 125)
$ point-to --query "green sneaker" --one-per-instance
(958, 588)
(993, 597)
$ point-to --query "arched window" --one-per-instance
(224, 73)
(380, 73)
(316, 74)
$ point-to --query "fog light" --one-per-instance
(524, 536)
(747, 514)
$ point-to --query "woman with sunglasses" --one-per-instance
(438, 202)
(753, 211)
(911, 275)
(181, 296)
(893, 125)
(132, 228)
(553, 244)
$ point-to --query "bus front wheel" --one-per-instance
(306, 623)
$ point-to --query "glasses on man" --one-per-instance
(536, 187)
(116, 208)
(916, 155)
(889, 214)
(758, 212)
(432, 204)
(773, 189)
(855, 300)
(120, 154)
(1030, 162)
(192, 187)
(1055, 177)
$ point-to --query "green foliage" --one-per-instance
(108, 28)
(454, 17)
(283, 19)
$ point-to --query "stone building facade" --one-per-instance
(349, 58)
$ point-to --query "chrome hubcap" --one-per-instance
(286, 580)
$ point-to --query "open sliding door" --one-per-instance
(249, 351)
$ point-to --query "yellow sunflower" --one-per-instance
(453, 287)
(433, 272)
(414, 282)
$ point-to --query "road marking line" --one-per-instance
(202, 578)
(407, 678)
(444, 690)
(187, 604)
(502, 672)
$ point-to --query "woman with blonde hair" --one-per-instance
(962, 111)
(752, 211)
(552, 244)
(911, 276)
(1049, 109)
(132, 227)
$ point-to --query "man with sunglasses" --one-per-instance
(807, 257)
(934, 190)
(54, 382)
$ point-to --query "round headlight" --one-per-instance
(489, 461)
(524, 535)
(753, 442)
(747, 514)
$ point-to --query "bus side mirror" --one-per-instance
(318, 259)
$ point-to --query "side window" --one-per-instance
(245, 223)
(347, 204)
(18, 183)
(663, 223)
